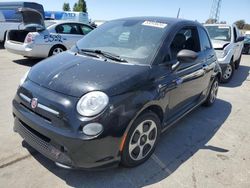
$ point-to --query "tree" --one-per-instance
(240, 24)
(66, 7)
(81, 6)
(211, 21)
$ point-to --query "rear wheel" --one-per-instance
(56, 50)
(141, 139)
(249, 51)
(228, 73)
(212, 93)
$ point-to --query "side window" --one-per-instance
(186, 38)
(68, 29)
(204, 40)
(85, 29)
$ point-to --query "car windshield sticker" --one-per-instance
(154, 24)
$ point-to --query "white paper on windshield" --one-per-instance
(154, 24)
(223, 27)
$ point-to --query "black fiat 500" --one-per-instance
(108, 99)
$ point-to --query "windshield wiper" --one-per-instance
(105, 54)
(85, 52)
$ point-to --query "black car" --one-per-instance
(246, 48)
(108, 99)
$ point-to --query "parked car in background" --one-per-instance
(11, 19)
(108, 99)
(39, 39)
(228, 44)
(246, 49)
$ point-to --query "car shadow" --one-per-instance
(27, 62)
(174, 148)
(240, 75)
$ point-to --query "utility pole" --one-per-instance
(178, 14)
(215, 11)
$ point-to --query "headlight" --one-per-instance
(24, 78)
(92, 103)
(221, 53)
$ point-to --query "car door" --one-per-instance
(188, 77)
(209, 55)
(70, 33)
(238, 45)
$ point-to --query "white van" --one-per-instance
(10, 19)
(68, 15)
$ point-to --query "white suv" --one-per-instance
(228, 44)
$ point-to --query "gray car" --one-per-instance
(42, 39)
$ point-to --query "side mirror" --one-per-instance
(239, 39)
(187, 56)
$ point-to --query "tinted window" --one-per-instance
(235, 34)
(186, 38)
(10, 15)
(85, 29)
(205, 42)
(68, 29)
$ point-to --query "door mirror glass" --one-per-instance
(187, 56)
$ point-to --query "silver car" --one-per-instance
(42, 39)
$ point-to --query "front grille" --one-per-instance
(46, 118)
(40, 143)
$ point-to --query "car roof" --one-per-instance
(166, 20)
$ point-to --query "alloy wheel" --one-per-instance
(142, 140)
(57, 51)
(214, 91)
(228, 72)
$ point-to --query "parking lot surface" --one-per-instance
(208, 148)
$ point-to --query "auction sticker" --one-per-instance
(154, 24)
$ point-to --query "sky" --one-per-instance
(199, 10)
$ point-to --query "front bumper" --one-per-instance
(58, 137)
(27, 50)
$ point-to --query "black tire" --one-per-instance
(211, 97)
(59, 47)
(225, 78)
(145, 120)
(237, 63)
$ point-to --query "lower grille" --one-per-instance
(39, 144)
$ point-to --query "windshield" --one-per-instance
(219, 32)
(132, 40)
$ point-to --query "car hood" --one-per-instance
(31, 16)
(76, 75)
(219, 44)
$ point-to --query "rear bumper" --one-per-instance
(27, 50)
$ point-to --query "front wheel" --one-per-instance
(141, 140)
(228, 73)
(212, 93)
